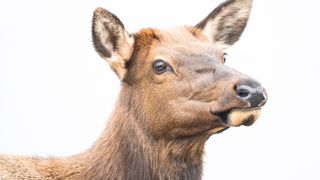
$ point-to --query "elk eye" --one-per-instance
(225, 57)
(159, 66)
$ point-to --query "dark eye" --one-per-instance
(159, 66)
(225, 57)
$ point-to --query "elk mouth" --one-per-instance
(238, 117)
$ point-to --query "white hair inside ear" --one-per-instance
(112, 42)
(225, 24)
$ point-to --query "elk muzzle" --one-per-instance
(254, 95)
(251, 92)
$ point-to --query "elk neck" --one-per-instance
(126, 150)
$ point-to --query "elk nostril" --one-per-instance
(251, 92)
(243, 91)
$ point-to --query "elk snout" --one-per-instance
(251, 92)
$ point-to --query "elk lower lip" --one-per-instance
(246, 116)
(238, 117)
(249, 121)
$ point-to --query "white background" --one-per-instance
(56, 93)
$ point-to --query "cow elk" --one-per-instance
(176, 92)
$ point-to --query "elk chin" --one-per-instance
(238, 117)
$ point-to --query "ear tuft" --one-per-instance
(112, 42)
(225, 24)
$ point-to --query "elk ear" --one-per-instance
(112, 42)
(225, 24)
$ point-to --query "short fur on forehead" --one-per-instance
(184, 35)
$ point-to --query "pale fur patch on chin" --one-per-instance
(238, 117)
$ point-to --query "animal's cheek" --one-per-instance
(187, 118)
(194, 83)
(185, 111)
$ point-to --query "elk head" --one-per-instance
(174, 81)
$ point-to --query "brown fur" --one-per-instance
(161, 121)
